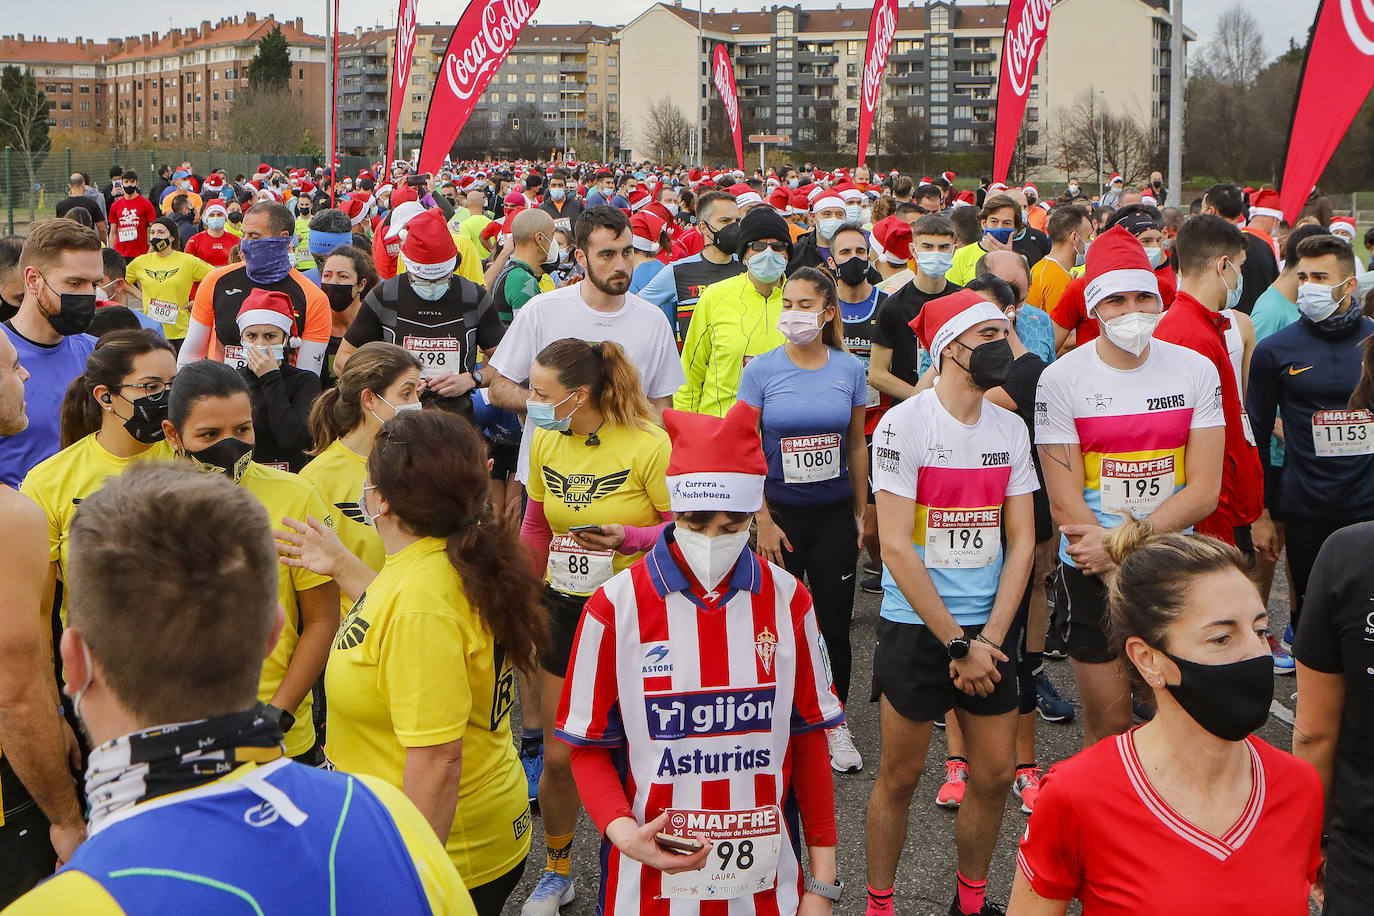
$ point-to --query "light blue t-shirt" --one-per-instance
(51, 370)
(643, 274)
(1273, 312)
(1036, 330)
(805, 423)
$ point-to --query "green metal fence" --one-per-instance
(33, 184)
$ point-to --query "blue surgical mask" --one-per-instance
(1002, 235)
(792, 183)
(542, 414)
(558, 193)
(1233, 295)
(215, 222)
(934, 263)
(430, 290)
(827, 226)
(853, 213)
(767, 266)
(1315, 301)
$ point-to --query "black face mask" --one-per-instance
(1229, 701)
(228, 456)
(7, 311)
(159, 244)
(74, 314)
(236, 217)
(989, 365)
(131, 190)
(340, 295)
(149, 412)
(726, 238)
(853, 271)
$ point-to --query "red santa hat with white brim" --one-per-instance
(1266, 203)
(269, 307)
(1343, 226)
(717, 463)
(827, 201)
(1117, 264)
(429, 252)
(646, 229)
(402, 215)
(942, 320)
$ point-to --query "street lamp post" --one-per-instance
(1101, 137)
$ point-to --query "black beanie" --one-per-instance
(762, 223)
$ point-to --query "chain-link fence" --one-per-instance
(34, 183)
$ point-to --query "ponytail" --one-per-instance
(1362, 398)
(606, 373)
(108, 364)
(373, 367)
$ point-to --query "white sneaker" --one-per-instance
(844, 756)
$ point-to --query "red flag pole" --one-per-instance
(334, 108)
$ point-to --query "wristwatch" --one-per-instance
(957, 648)
(284, 718)
(477, 378)
(831, 892)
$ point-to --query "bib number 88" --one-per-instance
(743, 853)
(579, 565)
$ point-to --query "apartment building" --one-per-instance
(173, 87)
(565, 75)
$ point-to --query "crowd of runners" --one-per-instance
(304, 484)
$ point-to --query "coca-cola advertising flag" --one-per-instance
(1336, 79)
(1027, 23)
(723, 75)
(400, 73)
(484, 35)
(881, 30)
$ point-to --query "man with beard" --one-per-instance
(601, 308)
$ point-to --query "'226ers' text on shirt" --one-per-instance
(221, 295)
(703, 696)
(1097, 811)
(959, 477)
(1131, 425)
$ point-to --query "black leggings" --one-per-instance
(26, 852)
(825, 549)
(1303, 539)
(489, 898)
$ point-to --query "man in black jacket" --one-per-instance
(1261, 268)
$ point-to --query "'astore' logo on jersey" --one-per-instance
(674, 716)
(656, 660)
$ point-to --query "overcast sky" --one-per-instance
(100, 19)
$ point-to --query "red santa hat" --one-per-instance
(400, 194)
(354, 207)
(365, 173)
(925, 180)
(944, 319)
(948, 176)
(997, 187)
(647, 229)
(779, 200)
(264, 169)
(1343, 226)
(1265, 203)
(428, 251)
(639, 199)
(270, 307)
(892, 240)
(744, 195)
(213, 207)
(213, 182)
(827, 201)
(1114, 179)
(1117, 264)
(1149, 200)
(1030, 189)
(717, 463)
(797, 202)
(965, 199)
(402, 215)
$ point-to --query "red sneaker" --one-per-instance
(1027, 787)
(956, 781)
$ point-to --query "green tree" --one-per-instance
(24, 122)
(271, 65)
(308, 147)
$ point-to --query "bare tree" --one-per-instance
(24, 125)
(267, 120)
(666, 131)
(1236, 55)
(1089, 129)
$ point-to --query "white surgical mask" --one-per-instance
(799, 327)
(1156, 256)
(1131, 332)
(395, 408)
(1315, 301)
(934, 263)
(853, 213)
(672, 208)
(430, 290)
(710, 558)
(80, 692)
(827, 226)
(215, 222)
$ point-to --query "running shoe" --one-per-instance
(1287, 641)
(1283, 661)
(989, 909)
(1055, 647)
(1053, 707)
(1027, 787)
(844, 756)
(951, 794)
(871, 585)
(553, 892)
(940, 720)
(534, 768)
(870, 568)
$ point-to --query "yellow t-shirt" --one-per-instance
(413, 666)
(338, 473)
(72, 891)
(965, 264)
(286, 495)
(58, 484)
(166, 286)
(621, 481)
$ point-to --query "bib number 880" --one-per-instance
(743, 853)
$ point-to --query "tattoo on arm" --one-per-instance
(1059, 454)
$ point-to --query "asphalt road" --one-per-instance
(925, 877)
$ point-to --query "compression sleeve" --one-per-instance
(536, 534)
(197, 342)
(815, 787)
(598, 784)
(639, 539)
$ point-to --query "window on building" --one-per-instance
(551, 78)
(510, 96)
(611, 60)
(591, 98)
(551, 97)
(851, 114)
(591, 79)
(963, 135)
(982, 68)
(963, 66)
(530, 96)
(84, 106)
(963, 112)
(851, 47)
(551, 59)
(1033, 114)
(529, 79)
(851, 70)
(612, 80)
(851, 92)
(300, 73)
(591, 60)
(83, 90)
(551, 116)
(417, 116)
(610, 98)
(417, 96)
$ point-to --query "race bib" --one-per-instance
(874, 397)
(808, 459)
(1245, 426)
(563, 223)
(577, 570)
(963, 538)
(1137, 487)
(128, 233)
(743, 858)
(1339, 433)
(279, 465)
(163, 311)
(437, 355)
(235, 357)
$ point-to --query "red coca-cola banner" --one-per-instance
(723, 75)
(1336, 79)
(881, 30)
(1027, 23)
(484, 35)
(400, 74)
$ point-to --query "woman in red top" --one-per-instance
(1188, 813)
